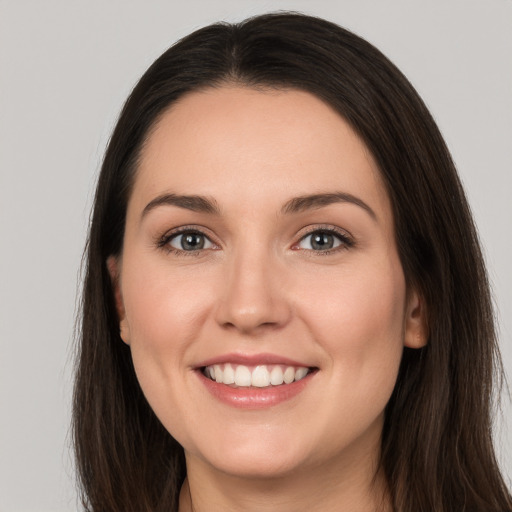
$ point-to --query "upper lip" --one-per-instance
(251, 360)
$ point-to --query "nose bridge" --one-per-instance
(252, 296)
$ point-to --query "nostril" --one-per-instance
(249, 319)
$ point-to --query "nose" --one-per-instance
(253, 297)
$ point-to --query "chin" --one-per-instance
(259, 457)
(261, 467)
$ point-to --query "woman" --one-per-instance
(285, 305)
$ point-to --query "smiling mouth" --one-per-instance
(260, 376)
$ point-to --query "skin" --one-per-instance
(260, 287)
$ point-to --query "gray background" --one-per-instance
(65, 69)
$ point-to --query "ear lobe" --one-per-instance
(113, 270)
(415, 324)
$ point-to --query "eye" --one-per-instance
(190, 241)
(323, 240)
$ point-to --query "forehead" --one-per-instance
(255, 146)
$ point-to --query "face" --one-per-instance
(259, 287)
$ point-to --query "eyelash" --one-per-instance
(346, 241)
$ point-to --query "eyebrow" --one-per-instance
(202, 204)
(314, 201)
(194, 203)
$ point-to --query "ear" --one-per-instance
(113, 265)
(415, 322)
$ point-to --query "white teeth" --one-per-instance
(242, 376)
(289, 375)
(218, 373)
(261, 376)
(276, 376)
(229, 374)
(300, 373)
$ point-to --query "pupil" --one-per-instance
(192, 241)
(322, 241)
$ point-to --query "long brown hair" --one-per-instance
(437, 450)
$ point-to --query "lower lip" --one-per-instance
(252, 397)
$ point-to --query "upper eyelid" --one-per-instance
(327, 228)
(186, 229)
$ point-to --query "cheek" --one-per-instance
(164, 309)
(358, 317)
(359, 324)
(164, 313)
